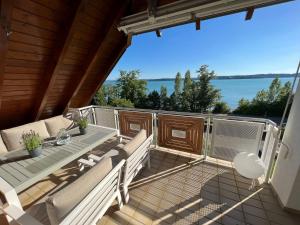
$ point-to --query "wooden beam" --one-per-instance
(5, 17)
(66, 34)
(92, 59)
(158, 33)
(249, 13)
(129, 39)
(198, 23)
(152, 9)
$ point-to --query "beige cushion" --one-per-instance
(12, 137)
(136, 142)
(62, 202)
(56, 123)
(3, 148)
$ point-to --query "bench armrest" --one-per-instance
(126, 137)
(19, 216)
(110, 153)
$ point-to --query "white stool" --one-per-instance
(249, 165)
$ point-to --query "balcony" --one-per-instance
(183, 186)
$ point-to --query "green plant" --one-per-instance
(221, 107)
(31, 140)
(82, 122)
(121, 102)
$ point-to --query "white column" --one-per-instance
(286, 177)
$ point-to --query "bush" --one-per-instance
(221, 108)
(121, 102)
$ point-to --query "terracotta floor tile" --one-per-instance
(144, 217)
(234, 213)
(282, 220)
(227, 220)
(254, 211)
(183, 189)
(254, 202)
(254, 220)
(229, 194)
(228, 187)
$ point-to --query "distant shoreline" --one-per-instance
(231, 77)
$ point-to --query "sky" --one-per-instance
(268, 43)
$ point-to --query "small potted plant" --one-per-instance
(33, 143)
(82, 124)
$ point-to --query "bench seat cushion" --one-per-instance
(136, 142)
(56, 123)
(62, 202)
(3, 148)
(13, 137)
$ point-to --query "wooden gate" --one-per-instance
(181, 133)
(132, 122)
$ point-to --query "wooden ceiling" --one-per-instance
(55, 54)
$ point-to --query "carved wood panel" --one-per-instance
(181, 133)
(132, 122)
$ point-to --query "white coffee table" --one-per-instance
(249, 165)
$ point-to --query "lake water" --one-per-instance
(231, 90)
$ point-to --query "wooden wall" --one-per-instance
(57, 55)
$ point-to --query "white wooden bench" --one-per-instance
(137, 154)
(134, 163)
(88, 211)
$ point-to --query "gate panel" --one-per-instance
(105, 117)
(230, 137)
(181, 133)
(132, 122)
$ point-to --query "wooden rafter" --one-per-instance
(158, 33)
(129, 39)
(152, 8)
(58, 56)
(5, 17)
(249, 13)
(198, 24)
(94, 54)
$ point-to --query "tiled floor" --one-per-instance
(182, 188)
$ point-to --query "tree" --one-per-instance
(121, 102)
(205, 94)
(100, 97)
(153, 100)
(131, 87)
(112, 93)
(243, 107)
(221, 108)
(187, 92)
(270, 102)
(175, 98)
(164, 100)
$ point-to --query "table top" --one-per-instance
(248, 165)
(24, 171)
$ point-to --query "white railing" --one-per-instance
(265, 130)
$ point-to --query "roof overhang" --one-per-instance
(186, 11)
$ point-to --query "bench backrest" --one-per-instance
(135, 161)
(3, 148)
(95, 204)
(11, 139)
